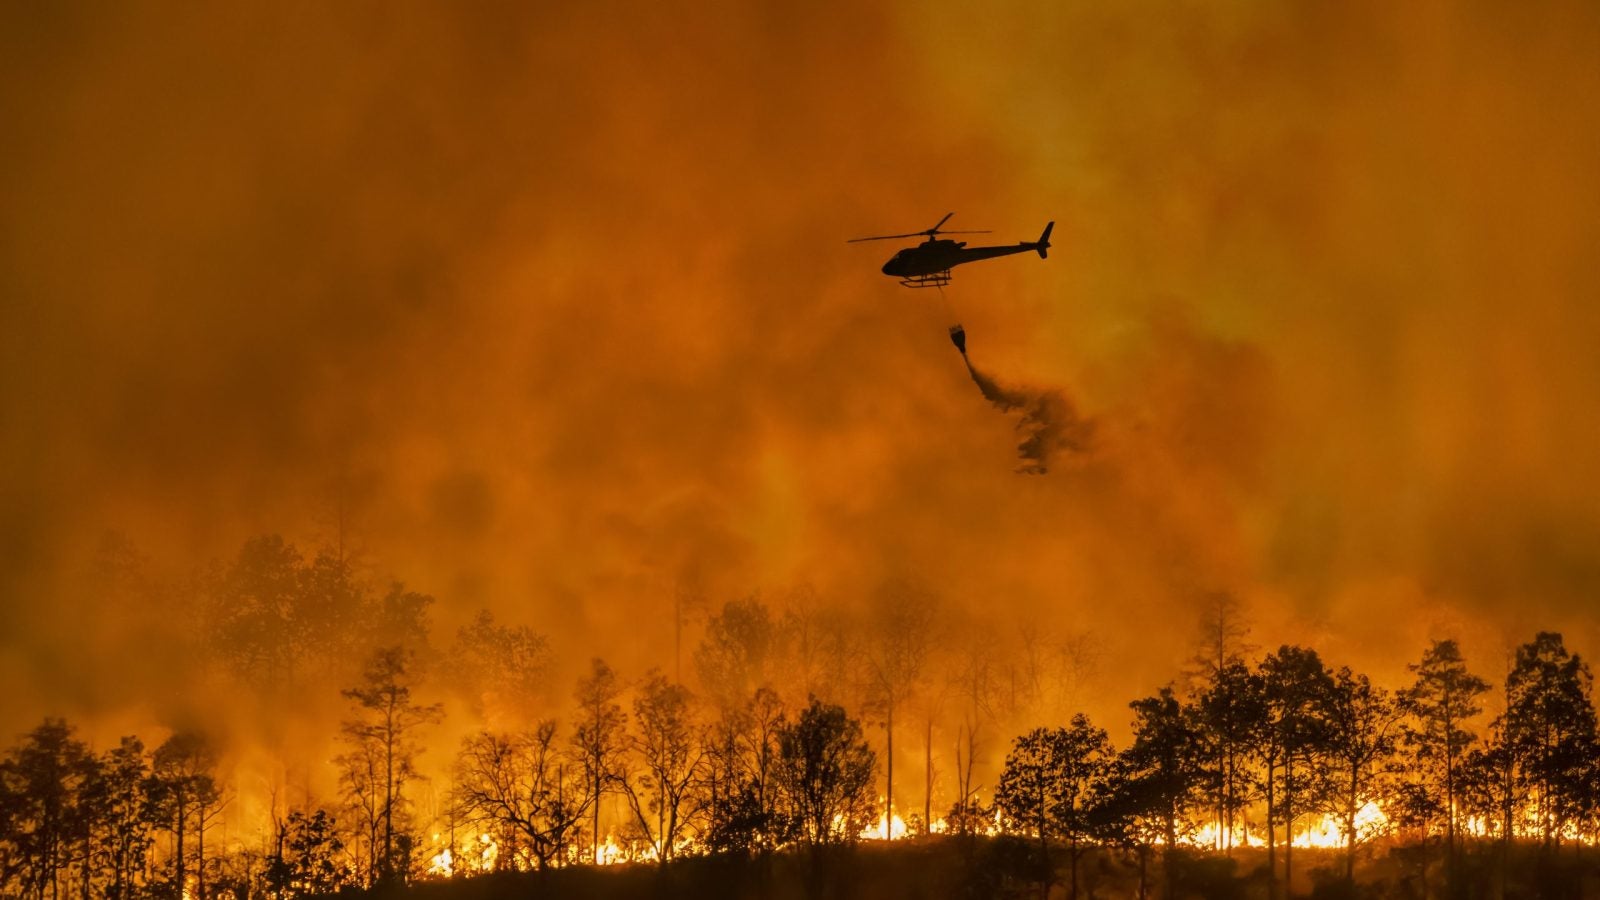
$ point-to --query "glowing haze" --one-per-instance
(552, 302)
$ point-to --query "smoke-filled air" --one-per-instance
(442, 439)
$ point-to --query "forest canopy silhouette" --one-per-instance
(772, 754)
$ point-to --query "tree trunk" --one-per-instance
(1044, 853)
(1506, 832)
(1272, 846)
(180, 871)
(927, 793)
(1449, 810)
(200, 851)
(1227, 804)
(1350, 833)
(1288, 828)
(888, 813)
(1423, 863)
(1144, 871)
(1073, 867)
(387, 869)
(1170, 833)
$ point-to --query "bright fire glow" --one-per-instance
(883, 829)
(611, 852)
(475, 854)
(480, 852)
(1325, 832)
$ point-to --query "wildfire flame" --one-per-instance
(481, 853)
(885, 830)
(475, 854)
(1325, 832)
(611, 853)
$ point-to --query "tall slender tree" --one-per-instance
(671, 759)
(1363, 727)
(1230, 712)
(383, 731)
(1438, 705)
(599, 740)
(901, 632)
(1549, 731)
(186, 793)
(1218, 677)
(1299, 695)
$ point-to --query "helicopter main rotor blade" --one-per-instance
(929, 233)
(886, 237)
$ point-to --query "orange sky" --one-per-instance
(556, 297)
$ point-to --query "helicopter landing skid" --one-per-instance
(931, 280)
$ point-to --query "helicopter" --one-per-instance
(929, 263)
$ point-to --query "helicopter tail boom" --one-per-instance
(1044, 241)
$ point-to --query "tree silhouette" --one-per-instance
(1163, 770)
(1046, 786)
(123, 813)
(186, 796)
(735, 655)
(1218, 676)
(1362, 729)
(1299, 693)
(1126, 812)
(1548, 731)
(660, 794)
(975, 682)
(383, 737)
(513, 785)
(738, 782)
(1490, 791)
(45, 818)
(274, 619)
(255, 614)
(901, 630)
(824, 773)
(306, 860)
(1231, 711)
(362, 787)
(503, 668)
(599, 739)
(1439, 702)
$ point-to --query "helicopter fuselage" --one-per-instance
(935, 255)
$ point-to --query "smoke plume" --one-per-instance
(1050, 423)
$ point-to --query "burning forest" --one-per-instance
(463, 450)
(453, 758)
